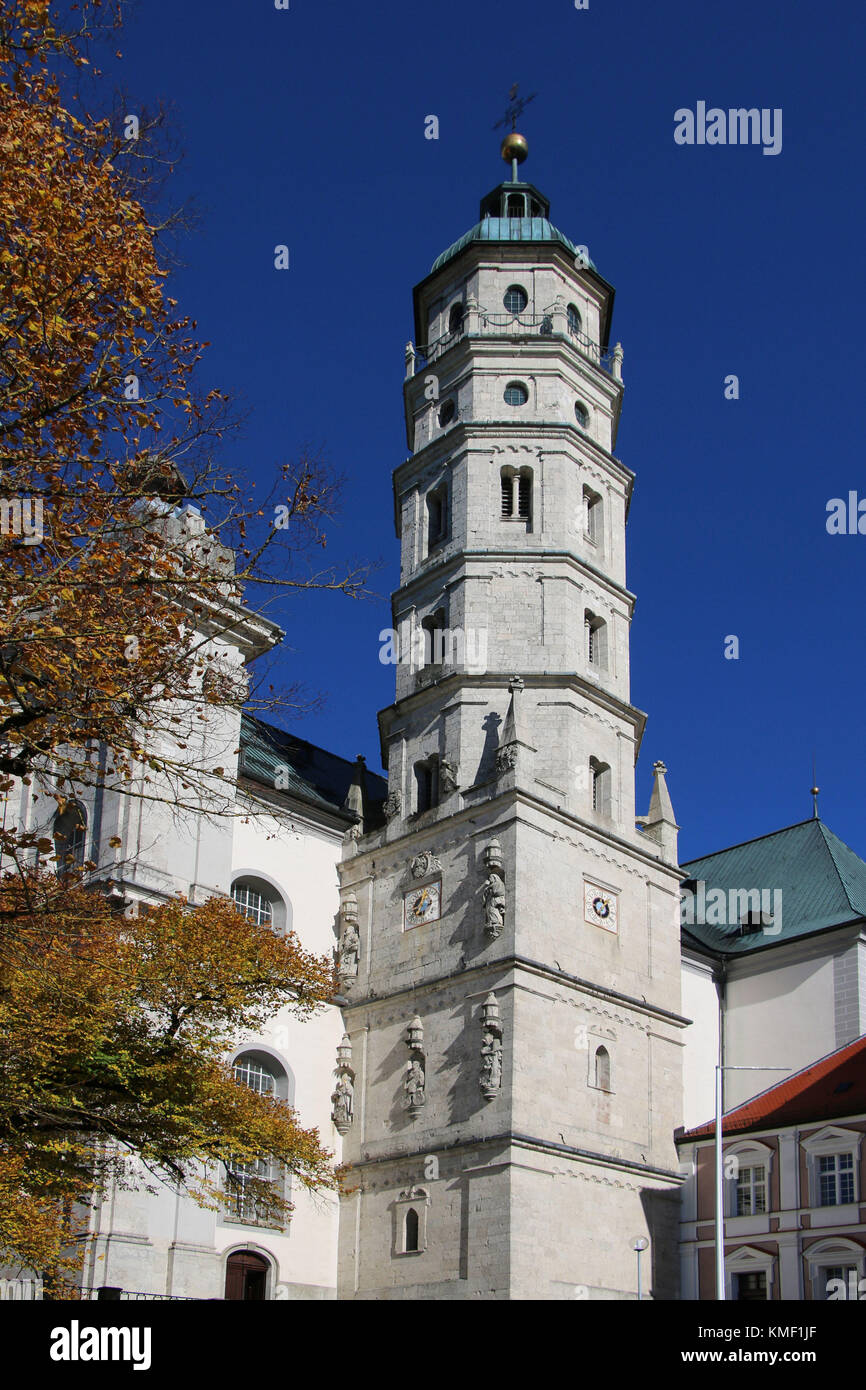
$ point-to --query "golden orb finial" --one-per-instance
(515, 148)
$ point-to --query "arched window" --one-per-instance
(253, 903)
(515, 299)
(251, 1071)
(263, 903)
(447, 412)
(516, 393)
(437, 516)
(455, 318)
(516, 493)
(410, 1242)
(596, 640)
(248, 1181)
(602, 1068)
(426, 784)
(433, 628)
(572, 314)
(581, 414)
(70, 836)
(599, 774)
(592, 516)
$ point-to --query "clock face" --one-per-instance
(600, 906)
(422, 905)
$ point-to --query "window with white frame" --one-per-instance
(832, 1158)
(261, 902)
(250, 1181)
(247, 1181)
(751, 1190)
(835, 1180)
(748, 1166)
(836, 1266)
(251, 1071)
(253, 903)
(749, 1274)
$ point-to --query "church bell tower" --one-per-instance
(509, 950)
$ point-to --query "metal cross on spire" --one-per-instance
(514, 108)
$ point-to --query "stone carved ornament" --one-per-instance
(425, 863)
(447, 777)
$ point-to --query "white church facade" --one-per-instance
(523, 1025)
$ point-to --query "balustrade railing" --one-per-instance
(514, 328)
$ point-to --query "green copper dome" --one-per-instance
(511, 212)
(509, 229)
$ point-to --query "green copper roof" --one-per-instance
(275, 758)
(822, 884)
(508, 229)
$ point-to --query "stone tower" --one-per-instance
(510, 937)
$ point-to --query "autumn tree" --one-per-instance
(113, 1034)
(128, 557)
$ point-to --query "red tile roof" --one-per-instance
(828, 1089)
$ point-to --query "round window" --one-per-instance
(516, 393)
(515, 299)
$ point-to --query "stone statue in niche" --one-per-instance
(493, 897)
(349, 951)
(342, 1102)
(393, 805)
(343, 1097)
(491, 1064)
(491, 1048)
(413, 1084)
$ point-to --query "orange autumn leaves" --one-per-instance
(113, 1038)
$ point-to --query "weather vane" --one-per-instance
(514, 108)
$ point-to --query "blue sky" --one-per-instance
(306, 127)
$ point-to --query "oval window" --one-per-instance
(515, 299)
(516, 393)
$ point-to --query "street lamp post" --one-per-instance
(639, 1245)
(720, 1188)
